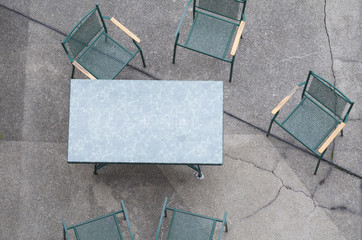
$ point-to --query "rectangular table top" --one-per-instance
(145, 121)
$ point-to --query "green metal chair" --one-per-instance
(318, 118)
(91, 50)
(190, 226)
(105, 227)
(214, 26)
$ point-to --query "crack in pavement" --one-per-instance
(311, 196)
(238, 159)
(348, 60)
(283, 185)
(329, 41)
(265, 206)
(297, 57)
(340, 208)
(271, 171)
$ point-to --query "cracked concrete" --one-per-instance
(298, 57)
(289, 182)
(266, 186)
(329, 42)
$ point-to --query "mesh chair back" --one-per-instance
(102, 228)
(226, 8)
(83, 33)
(328, 95)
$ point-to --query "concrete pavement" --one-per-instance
(266, 185)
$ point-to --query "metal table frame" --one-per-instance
(197, 168)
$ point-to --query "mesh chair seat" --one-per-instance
(309, 123)
(185, 226)
(210, 35)
(104, 228)
(190, 226)
(105, 58)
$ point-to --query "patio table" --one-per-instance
(146, 122)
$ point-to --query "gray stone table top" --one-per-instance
(145, 121)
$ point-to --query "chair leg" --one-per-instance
(231, 69)
(71, 77)
(98, 166)
(174, 48)
(65, 233)
(342, 132)
(267, 134)
(143, 59)
(319, 161)
(139, 48)
(271, 122)
(226, 226)
(193, 10)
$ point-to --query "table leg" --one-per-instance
(98, 166)
(197, 168)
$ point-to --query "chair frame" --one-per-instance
(333, 133)
(81, 68)
(164, 214)
(114, 214)
(240, 24)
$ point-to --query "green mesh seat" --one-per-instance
(105, 57)
(310, 123)
(216, 23)
(319, 116)
(102, 228)
(210, 35)
(94, 52)
(190, 226)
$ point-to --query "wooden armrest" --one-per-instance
(83, 70)
(285, 100)
(237, 38)
(124, 29)
(331, 137)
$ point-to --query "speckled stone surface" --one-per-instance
(144, 121)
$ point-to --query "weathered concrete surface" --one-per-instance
(266, 185)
